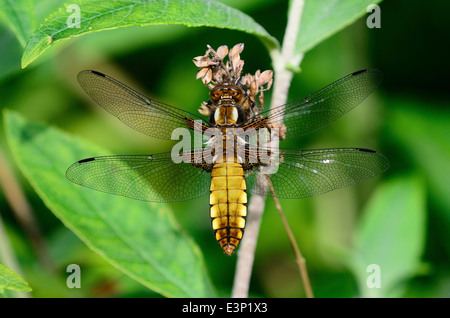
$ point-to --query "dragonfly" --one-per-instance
(228, 178)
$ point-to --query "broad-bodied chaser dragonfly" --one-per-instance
(299, 173)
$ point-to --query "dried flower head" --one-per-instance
(257, 84)
(205, 109)
(213, 71)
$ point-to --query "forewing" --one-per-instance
(146, 115)
(306, 115)
(307, 173)
(144, 177)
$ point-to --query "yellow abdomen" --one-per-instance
(228, 201)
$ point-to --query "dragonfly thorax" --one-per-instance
(226, 115)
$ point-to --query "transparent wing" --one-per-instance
(307, 173)
(321, 108)
(144, 177)
(134, 109)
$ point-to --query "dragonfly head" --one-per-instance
(227, 93)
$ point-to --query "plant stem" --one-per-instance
(246, 251)
(298, 255)
(282, 60)
(24, 213)
(7, 256)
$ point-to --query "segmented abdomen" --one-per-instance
(228, 201)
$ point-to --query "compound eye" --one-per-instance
(236, 94)
(215, 95)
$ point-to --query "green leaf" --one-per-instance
(323, 18)
(19, 16)
(391, 235)
(139, 238)
(11, 51)
(420, 138)
(422, 134)
(12, 281)
(106, 15)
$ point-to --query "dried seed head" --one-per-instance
(237, 49)
(204, 109)
(201, 61)
(208, 76)
(281, 129)
(266, 77)
(222, 51)
(261, 100)
(202, 72)
(213, 71)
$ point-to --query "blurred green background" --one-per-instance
(407, 119)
